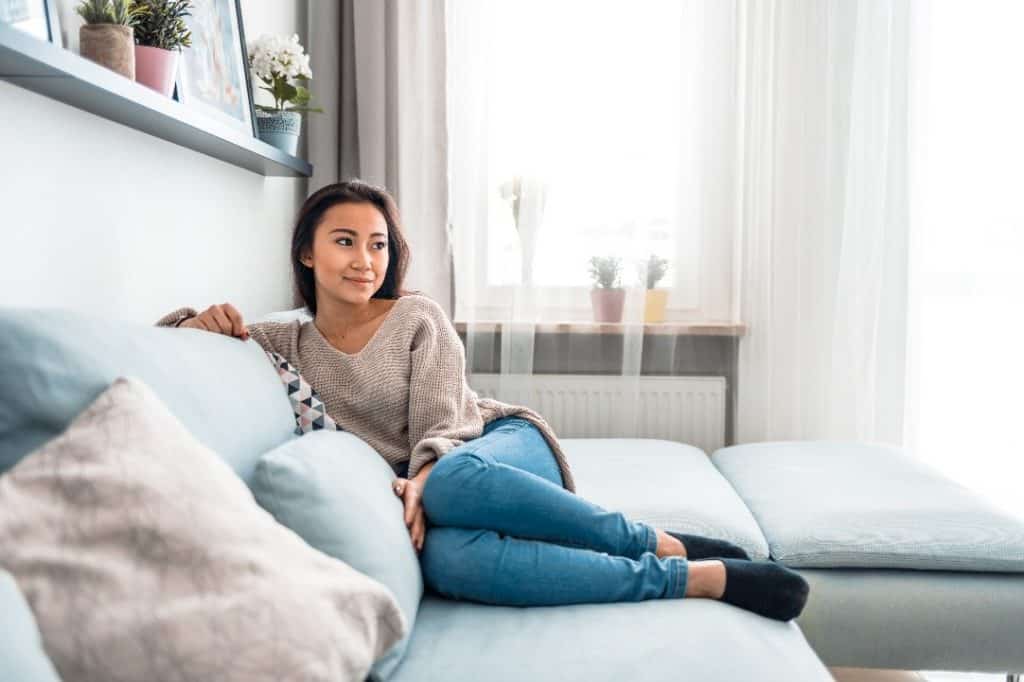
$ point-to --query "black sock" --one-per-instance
(699, 547)
(764, 587)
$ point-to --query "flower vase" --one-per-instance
(280, 129)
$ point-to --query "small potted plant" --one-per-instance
(281, 64)
(651, 271)
(107, 37)
(607, 297)
(159, 36)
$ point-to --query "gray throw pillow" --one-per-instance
(334, 490)
(145, 557)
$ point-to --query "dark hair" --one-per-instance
(355, 192)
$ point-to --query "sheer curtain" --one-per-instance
(759, 145)
(967, 282)
(823, 203)
(579, 131)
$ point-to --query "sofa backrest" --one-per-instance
(54, 363)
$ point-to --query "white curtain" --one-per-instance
(760, 145)
(580, 131)
(822, 198)
(967, 219)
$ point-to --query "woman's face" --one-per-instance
(350, 253)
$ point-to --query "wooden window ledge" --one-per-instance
(649, 329)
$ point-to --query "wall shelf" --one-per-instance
(49, 70)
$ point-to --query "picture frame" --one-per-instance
(35, 17)
(213, 74)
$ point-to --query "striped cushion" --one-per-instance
(831, 504)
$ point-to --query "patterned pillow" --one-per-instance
(310, 412)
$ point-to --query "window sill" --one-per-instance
(711, 328)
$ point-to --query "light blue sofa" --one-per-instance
(54, 363)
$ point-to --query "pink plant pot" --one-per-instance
(608, 304)
(155, 68)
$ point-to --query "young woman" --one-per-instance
(489, 498)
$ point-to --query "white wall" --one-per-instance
(101, 218)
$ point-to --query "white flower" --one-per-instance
(276, 56)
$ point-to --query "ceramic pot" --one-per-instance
(280, 128)
(654, 305)
(608, 304)
(155, 68)
(109, 45)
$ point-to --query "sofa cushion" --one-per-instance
(334, 490)
(647, 641)
(144, 557)
(21, 651)
(667, 484)
(833, 504)
(53, 363)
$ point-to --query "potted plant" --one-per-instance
(107, 37)
(159, 36)
(281, 64)
(607, 297)
(651, 271)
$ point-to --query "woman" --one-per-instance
(489, 498)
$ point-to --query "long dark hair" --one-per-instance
(356, 192)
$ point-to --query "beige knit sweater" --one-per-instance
(405, 392)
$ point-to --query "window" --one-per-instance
(596, 113)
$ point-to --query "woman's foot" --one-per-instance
(696, 547)
(764, 587)
(700, 547)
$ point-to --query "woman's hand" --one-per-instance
(411, 492)
(221, 319)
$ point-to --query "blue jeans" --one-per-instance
(501, 529)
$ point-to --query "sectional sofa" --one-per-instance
(907, 569)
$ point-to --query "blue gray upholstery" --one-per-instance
(664, 483)
(334, 491)
(915, 620)
(54, 363)
(22, 657)
(832, 504)
(650, 641)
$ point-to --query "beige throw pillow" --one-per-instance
(144, 557)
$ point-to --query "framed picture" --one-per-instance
(36, 17)
(213, 74)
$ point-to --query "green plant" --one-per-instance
(163, 24)
(121, 12)
(605, 271)
(652, 270)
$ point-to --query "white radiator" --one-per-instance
(686, 409)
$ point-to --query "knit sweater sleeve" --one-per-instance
(442, 407)
(275, 337)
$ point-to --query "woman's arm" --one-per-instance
(222, 318)
(275, 337)
(442, 408)
(411, 492)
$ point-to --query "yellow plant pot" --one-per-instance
(654, 305)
